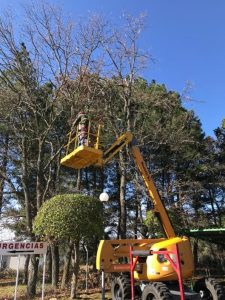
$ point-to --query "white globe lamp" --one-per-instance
(104, 197)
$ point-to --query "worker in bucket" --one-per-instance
(82, 122)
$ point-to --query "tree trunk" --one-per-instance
(119, 207)
(122, 234)
(55, 264)
(136, 217)
(78, 187)
(212, 205)
(33, 276)
(195, 252)
(49, 264)
(26, 267)
(75, 270)
(3, 168)
(39, 176)
(66, 268)
(25, 184)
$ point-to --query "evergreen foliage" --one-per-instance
(69, 216)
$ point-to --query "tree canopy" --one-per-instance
(69, 216)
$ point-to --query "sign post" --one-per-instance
(17, 276)
(103, 285)
(24, 248)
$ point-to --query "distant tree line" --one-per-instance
(52, 70)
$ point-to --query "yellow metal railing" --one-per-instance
(92, 138)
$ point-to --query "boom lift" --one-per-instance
(113, 255)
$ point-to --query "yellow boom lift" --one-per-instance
(155, 259)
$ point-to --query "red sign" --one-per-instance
(23, 248)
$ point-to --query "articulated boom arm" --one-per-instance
(121, 142)
(159, 209)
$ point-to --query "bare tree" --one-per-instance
(126, 61)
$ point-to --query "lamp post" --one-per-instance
(104, 197)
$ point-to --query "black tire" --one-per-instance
(121, 288)
(209, 289)
(156, 291)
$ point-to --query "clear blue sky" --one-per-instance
(186, 39)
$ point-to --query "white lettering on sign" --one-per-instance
(16, 248)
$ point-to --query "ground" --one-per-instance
(7, 293)
(8, 289)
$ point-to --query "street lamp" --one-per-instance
(104, 197)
